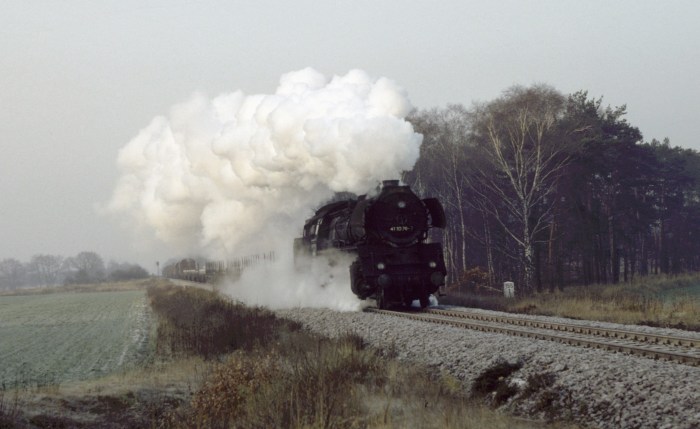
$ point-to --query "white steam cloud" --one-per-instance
(238, 174)
(323, 282)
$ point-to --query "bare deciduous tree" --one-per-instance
(521, 158)
(12, 273)
(90, 267)
(46, 268)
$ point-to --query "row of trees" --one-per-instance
(48, 270)
(548, 190)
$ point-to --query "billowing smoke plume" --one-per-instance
(238, 174)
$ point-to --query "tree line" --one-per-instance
(550, 190)
(50, 270)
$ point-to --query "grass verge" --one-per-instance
(661, 301)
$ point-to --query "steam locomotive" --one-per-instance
(388, 232)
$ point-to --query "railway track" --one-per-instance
(673, 348)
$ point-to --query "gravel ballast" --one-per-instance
(555, 381)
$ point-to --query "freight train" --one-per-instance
(395, 264)
(202, 271)
(186, 269)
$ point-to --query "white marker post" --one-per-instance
(509, 289)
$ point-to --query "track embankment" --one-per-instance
(549, 379)
(676, 348)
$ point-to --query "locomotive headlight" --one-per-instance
(381, 266)
(401, 204)
(432, 264)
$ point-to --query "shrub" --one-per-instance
(222, 399)
(308, 382)
(494, 380)
(197, 322)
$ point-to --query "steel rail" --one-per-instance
(574, 327)
(655, 351)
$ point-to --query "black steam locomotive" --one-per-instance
(388, 233)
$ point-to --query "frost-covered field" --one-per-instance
(54, 338)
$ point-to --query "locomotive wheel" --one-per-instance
(356, 279)
(381, 300)
(424, 301)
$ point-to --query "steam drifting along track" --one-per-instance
(657, 346)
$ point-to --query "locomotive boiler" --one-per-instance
(388, 233)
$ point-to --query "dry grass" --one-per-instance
(133, 399)
(9, 408)
(193, 321)
(332, 384)
(656, 300)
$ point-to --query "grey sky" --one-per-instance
(79, 79)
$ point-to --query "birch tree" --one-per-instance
(521, 157)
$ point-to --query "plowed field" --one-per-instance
(53, 338)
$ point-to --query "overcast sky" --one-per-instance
(80, 79)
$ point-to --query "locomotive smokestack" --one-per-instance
(389, 183)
